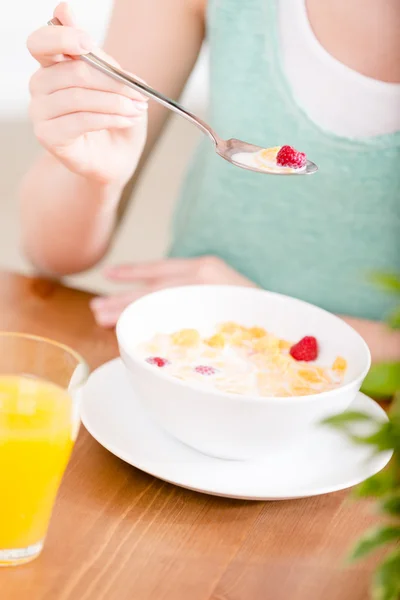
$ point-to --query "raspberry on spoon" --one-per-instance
(289, 157)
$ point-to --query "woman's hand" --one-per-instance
(94, 125)
(162, 274)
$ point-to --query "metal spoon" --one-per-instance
(234, 151)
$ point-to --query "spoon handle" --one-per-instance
(128, 79)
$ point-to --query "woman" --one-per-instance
(318, 76)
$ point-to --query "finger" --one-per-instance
(173, 267)
(65, 14)
(101, 54)
(48, 45)
(60, 131)
(76, 73)
(106, 311)
(108, 319)
(77, 100)
(106, 303)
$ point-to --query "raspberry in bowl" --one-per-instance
(204, 363)
(244, 360)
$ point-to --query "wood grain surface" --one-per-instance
(119, 534)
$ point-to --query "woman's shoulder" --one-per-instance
(352, 33)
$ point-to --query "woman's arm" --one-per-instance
(68, 218)
(159, 41)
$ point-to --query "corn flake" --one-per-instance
(186, 337)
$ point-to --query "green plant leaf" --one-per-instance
(386, 582)
(394, 411)
(384, 438)
(345, 418)
(383, 380)
(378, 485)
(373, 539)
(393, 318)
(389, 282)
(391, 504)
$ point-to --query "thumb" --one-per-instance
(63, 11)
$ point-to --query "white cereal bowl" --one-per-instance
(227, 425)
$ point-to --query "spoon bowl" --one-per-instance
(235, 151)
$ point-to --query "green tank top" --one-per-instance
(316, 238)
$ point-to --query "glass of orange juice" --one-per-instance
(40, 388)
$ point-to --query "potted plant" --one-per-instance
(382, 383)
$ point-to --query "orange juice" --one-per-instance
(36, 439)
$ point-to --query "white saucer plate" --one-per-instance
(324, 462)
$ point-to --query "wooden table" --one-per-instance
(119, 534)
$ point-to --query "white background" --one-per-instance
(17, 21)
(21, 17)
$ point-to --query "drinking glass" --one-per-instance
(41, 383)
